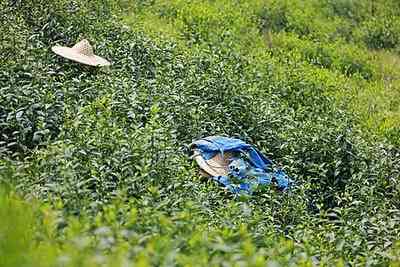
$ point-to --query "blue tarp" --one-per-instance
(247, 170)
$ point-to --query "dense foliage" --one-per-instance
(98, 156)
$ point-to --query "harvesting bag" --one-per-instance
(236, 165)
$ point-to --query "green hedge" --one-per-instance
(106, 148)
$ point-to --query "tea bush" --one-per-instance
(327, 34)
(338, 56)
(382, 32)
(332, 20)
(101, 154)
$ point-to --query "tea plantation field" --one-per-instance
(94, 165)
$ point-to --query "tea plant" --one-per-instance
(95, 162)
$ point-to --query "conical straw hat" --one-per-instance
(216, 166)
(81, 52)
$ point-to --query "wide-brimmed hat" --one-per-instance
(81, 52)
(215, 166)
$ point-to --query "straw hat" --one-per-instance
(81, 52)
(216, 166)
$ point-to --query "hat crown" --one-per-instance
(84, 48)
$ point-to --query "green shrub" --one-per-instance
(355, 11)
(106, 148)
(381, 33)
(343, 58)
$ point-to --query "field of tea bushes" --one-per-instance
(94, 165)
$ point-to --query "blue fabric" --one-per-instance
(246, 171)
(212, 145)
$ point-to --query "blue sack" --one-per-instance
(248, 168)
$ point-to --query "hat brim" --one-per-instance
(71, 54)
(216, 166)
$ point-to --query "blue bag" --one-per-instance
(248, 168)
